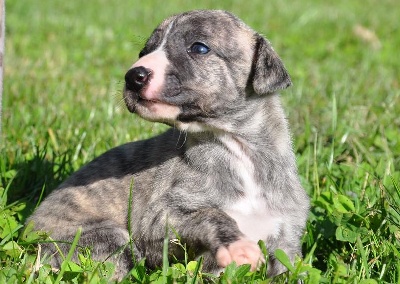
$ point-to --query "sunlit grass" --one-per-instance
(64, 66)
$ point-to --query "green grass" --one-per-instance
(64, 66)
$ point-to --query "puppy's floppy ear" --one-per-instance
(268, 74)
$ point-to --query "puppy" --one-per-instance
(222, 177)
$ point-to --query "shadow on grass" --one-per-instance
(30, 177)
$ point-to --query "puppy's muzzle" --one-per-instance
(137, 78)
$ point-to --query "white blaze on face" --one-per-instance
(152, 107)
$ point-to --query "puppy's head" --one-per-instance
(200, 67)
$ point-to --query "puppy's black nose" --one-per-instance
(136, 78)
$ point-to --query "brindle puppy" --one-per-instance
(224, 175)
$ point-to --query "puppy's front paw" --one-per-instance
(242, 251)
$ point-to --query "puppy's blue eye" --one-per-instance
(199, 48)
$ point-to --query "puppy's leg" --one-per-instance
(242, 251)
(288, 242)
(214, 231)
(105, 243)
(111, 243)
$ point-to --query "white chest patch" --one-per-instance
(254, 218)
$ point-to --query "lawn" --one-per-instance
(62, 106)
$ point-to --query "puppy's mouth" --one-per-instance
(150, 109)
(135, 99)
(146, 102)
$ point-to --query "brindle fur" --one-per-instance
(186, 179)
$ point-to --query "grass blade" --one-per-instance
(364, 259)
(197, 269)
(69, 255)
(165, 265)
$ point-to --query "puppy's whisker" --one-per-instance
(120, 105)
(119, 97)
(179, 139)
